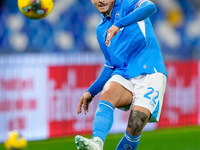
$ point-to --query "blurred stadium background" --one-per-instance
(46, 65)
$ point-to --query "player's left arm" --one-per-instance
(143, 10)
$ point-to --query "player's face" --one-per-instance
(104, 6)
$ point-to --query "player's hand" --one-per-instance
(84, 102)
(112, 31)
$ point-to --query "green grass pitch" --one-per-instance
(185, 138)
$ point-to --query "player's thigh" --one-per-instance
(116, 94)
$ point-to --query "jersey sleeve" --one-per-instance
(134, 11)
(97, 86)
(104, 50)
(128, 6)
(139, 3)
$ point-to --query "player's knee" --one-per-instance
(105, 95)
(109, 97)
(137, 121)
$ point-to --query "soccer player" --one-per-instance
(134, 75)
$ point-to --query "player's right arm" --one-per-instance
(84, 102)
(94, 89)
(105, 75)
(97, 86)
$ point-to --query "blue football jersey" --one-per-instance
(134, 50)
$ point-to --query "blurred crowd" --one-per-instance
(71, 28)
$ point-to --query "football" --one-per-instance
(36, 9)
(15, 141)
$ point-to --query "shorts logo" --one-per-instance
(127, 147)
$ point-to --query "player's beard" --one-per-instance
(106, 8)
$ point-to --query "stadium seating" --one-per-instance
(71, 28)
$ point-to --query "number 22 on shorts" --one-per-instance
(151, 93)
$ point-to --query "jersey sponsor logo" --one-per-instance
(117, 15)
(104, 34)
